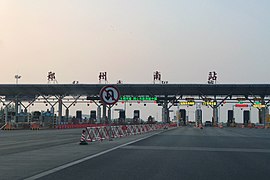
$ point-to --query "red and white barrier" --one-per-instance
(83, 140)
(104, 132)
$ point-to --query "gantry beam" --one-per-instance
(22, 90)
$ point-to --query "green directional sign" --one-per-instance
(137, 98)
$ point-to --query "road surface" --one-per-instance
(182, 153)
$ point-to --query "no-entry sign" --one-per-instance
(109, 95)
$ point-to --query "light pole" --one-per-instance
(17, 77)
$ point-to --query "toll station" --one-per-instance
(60, 97)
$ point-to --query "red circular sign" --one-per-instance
(109, 95)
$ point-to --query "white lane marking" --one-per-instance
(250, 150)
(45, 173)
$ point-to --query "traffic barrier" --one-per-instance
(96, 133)
(100, 133)
(129, 130)
(117, 131)
(260, 126)
(8, 126)
(173, 125)
(83, 141)
(35, 126)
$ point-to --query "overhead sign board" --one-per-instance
(137, 98)
(109, 95)
(209, 103)
(241, 105)
(259, 106)
(187, 103)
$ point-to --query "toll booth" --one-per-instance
(182, 113)
(150, 120)
(22, 120)
(36, 116)
(122, 117)
(79, 115)
(47, 119)
(198, 117)
(22, 117)
(136, 116)
(230, 120)
(93, 117)
(246, 117)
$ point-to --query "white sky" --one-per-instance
(184, 39)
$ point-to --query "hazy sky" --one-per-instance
(130, 39)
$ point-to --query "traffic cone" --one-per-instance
(83, 141)
(200, 126)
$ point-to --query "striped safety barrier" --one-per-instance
(101, 133)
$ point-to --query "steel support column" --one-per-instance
(98, 114)
(16, 110)
(60, 106)
(165, 112)
(109, 115)
(215, 111)
(6, 114)
(215, 115)
(110, 123)
(67, 114)
(104, 113)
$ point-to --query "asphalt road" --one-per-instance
(183, 153)
(25, 153)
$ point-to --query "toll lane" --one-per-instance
(184, 153)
